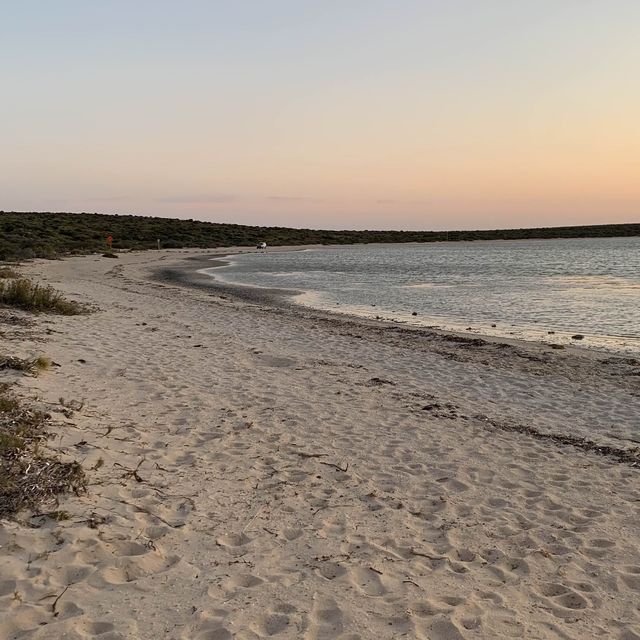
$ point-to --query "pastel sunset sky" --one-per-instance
(404, 114)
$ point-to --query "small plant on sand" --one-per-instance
(42, 363)
(8, 272)
(74, 405)
(28, 365)
(25, 294)
(8, 404)
(69, 407)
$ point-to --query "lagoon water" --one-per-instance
(526, 288)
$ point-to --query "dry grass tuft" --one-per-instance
(31, 296)
(28, 365)
(42, 363)
(8, 272)
(29, 477)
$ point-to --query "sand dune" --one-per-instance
(256, 472)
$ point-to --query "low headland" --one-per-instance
(25, 235)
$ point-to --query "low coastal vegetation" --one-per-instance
(29, 476)
(31, 296)
(51, 235)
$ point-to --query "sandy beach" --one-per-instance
(259, 471)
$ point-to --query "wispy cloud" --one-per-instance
(207, 198)
(294, 199)
(109, 198)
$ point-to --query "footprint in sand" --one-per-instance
(565, 602)
(440, 628)
(216, 633)
(242, 581)
(367, 581)
(129, 568)
(269, 624)
(326, 620)
(630, 576)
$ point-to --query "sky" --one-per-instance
(361, 114)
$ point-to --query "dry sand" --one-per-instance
(271, 473)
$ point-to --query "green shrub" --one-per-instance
(31, 296)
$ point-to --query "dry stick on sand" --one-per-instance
(131, 473)
(336, 466)
(252, 519)
(55, 602)
(303, 454)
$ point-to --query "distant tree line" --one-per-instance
(51, 235)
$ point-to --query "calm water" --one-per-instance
(526, 288)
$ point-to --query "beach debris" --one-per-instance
(28, 477)
(94, 520)
(30, 365)
(131, 473)
(446, 410)
(336, 466)
(11, 319)
(304, 454)
(74, 405)
(578, 336)
(463, 340)
(55, 602)
(414, 313)
(378, 382)
(557, 346)
(71, 405)
(629, 456)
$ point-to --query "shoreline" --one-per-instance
(260, 471)
(186, 275)
(623, 345)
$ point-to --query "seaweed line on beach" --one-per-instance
(625, 456)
